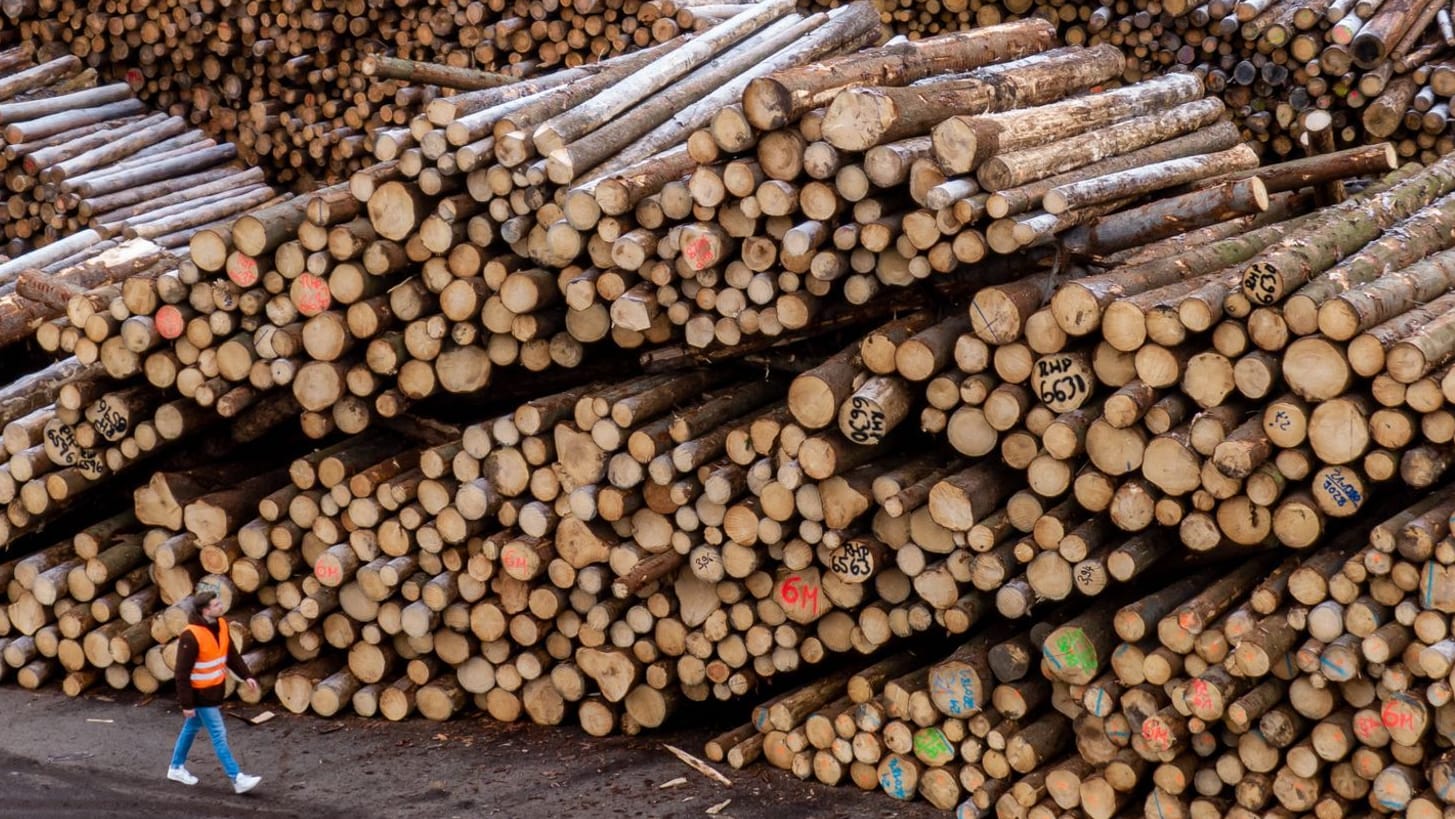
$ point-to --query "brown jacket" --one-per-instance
(189, 697)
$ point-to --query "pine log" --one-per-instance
(859, 119)
(583, 118)
(775, 101)
(961, 144)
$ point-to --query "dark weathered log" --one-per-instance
(31, 392)
(464, 79)
(1315, 170)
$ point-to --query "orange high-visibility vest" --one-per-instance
(211, 667)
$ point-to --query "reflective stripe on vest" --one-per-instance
(211, 666)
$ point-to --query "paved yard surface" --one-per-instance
(106, 756)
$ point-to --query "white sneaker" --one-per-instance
(181, 775)
(244, 783)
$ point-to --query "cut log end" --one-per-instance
(856, 121)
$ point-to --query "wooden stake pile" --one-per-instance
(291, 90)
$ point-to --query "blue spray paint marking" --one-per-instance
(1443, 790)
(893, 780)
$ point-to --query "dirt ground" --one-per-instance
(106, 755)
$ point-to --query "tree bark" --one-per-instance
(1018, 168)
(585, 117)
(1079, 305)
(1391, 289)
(1023, 198)
(1168, 217)
(775, 101)
(1276, 273)
(1152, 178)
(576, 157)
(861, 118)
(961, 144)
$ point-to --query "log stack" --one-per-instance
(1198, 424)
(1293, 73)
(1170, 362)
(85, 423)
(522, 562)
(902, 198)
(1311, 683)
(292, 89)
(366, 297)
(648, 240)
(103, 197)
(676, 215)
(296, 94)
(303, 94)
(90, 164)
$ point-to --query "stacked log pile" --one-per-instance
(76, 427)
(1378, 71)
(1177, 364)
(590, 548)
(820, 176)
(363, 298)
(1311, 684)
(104, 196)
(291, 89)
(90, 164)
(1160, 395)
(103, 606)
(304, 93)
(367, 297)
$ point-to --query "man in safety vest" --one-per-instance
(205, 653)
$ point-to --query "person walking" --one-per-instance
(205, 653)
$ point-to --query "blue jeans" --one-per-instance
(211, 718)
